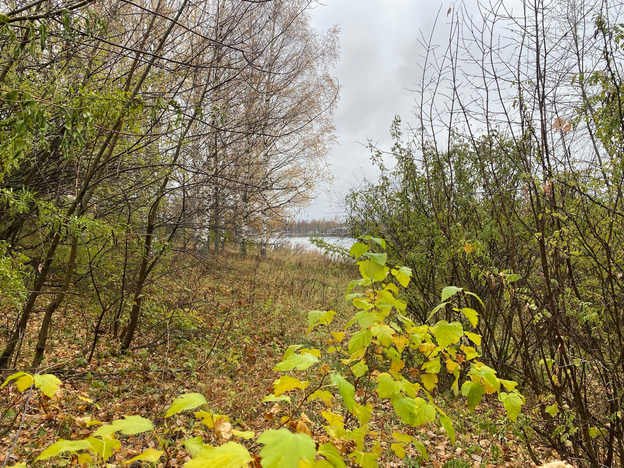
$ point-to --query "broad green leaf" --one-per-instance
(383, 333)
(296, 361)
(283, 449)
(194, 446)
(362, 303)
(47, 383)
(447, 424)
(476, 339)
(373, 270)
(104, 448)
(314, 316)
(473, 392)
(290, 350)
(400, 437)
(513, 403)
(450, 291)
(272, 397)
(364, 319)
(333, 456)
(130, 425)
(357, 250)
(185, 402)
(360, 340)
(413, 411)
(379, 258)
(422, 449)
(362, 413)
(492, 383)
(61, 446)
(509, 385)
(346, 389)
(359, 369)
(285, 384)
(358, 436)
(150, 455)
(472, 315)
(230, 455)
(446, 333)
(365, 460)
(387, 387)
(436, 308)
(552, 409)
(433, 366)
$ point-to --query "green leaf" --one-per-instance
(473, 392)
(362, 413)
(194, 446)
(150, 455)
(552, 409)
(435, 309)
(450, 291)
(365, 460)
(185, 402)
(422, 449)
(413, 411)
(360, 340)
(472, 315)
(331, 453)
(230, 455)
(130, 425)
(359, 369)
(346, 389)
(283, 449)
(357, 250)
(373, 270)
(379, 258)
(296, 361)
(63, 445)
(104, 448)
(383, 333)
(446, 333)
(447, 424)
(47, 383)
(387, 387)
(513, 403)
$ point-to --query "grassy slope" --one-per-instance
(216, 328)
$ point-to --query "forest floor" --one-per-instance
(218, 327)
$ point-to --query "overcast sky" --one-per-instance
(378, 61)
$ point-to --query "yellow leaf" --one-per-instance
(400, 341)
(468, 248)
(400, 437)
(333, 419)
(244, 434)
(323, 395)
(285, 384)
(429, 380)
(150, 455)
(399, 449)
(397, 366)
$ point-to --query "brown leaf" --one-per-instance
(223, 429)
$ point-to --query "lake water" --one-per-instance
(305, 244)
